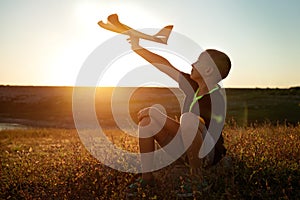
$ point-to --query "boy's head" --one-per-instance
(212, 64)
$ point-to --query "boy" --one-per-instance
(200, 88)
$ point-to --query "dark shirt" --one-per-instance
(203, 108)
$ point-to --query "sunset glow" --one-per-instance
(46, 42)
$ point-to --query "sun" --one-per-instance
(89, 36)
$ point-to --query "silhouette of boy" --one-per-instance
(199, 87)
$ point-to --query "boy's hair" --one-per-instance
(221, 60)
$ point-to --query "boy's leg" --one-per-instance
(159, 127)
(163, 129)
(146, 145)
(192, 132)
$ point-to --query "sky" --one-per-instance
(46, 42)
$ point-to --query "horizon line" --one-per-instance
(107, 86)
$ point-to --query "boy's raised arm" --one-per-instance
(156, 60)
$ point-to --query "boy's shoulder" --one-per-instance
(186, 83)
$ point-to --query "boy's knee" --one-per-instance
(188, 118)
(187, 115)
(156, 109)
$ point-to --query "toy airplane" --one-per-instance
(113, 24)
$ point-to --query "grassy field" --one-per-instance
(53, 164)
(48, 161)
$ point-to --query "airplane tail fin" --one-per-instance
(164, 34)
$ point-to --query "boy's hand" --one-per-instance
(143, 113)
(134, 41)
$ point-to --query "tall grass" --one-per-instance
(53, 164)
